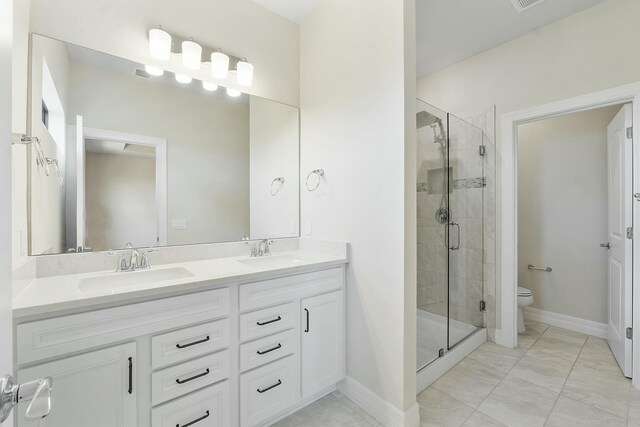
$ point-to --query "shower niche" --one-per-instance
(450, 214)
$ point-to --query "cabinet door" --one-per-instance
(322, 342)
(96, 389)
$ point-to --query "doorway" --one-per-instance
(629, 94)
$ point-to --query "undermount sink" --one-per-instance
(116, 281)
(273, 261)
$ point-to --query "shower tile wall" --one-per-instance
(432, 252)
(485, 120)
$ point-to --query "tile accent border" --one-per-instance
(575, 324)
(377, 407)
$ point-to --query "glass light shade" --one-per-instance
(159, 44)
(245, 73)
(181, 78)
(233, 92)
(209, 86)
(219, 65)
(191, 54)
(154, 71)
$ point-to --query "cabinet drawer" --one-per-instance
(268, 391)
(267, 321)
(257, 353)
(173, 347)
(61, 335)
(184, 378)
(276, 291)
(205, 408)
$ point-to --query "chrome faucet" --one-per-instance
(138, 260)
(263, 248)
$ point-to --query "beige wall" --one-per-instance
(562, 212)
(593, 50)
(207, 146)
(354, 99)
(120, 201)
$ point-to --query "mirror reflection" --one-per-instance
(125, 156)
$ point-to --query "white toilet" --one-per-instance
(525, 299)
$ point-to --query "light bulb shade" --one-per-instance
(191, 54)
(154, 71)
(181, 78)
(159, 44)
(209, 86)
(245, 73)
(219, 65)
(233, 92)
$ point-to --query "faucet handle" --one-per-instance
(144, 259)
(122, 262)
(40, 405)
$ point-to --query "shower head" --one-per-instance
(424, 119)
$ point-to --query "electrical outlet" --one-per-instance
(179, 224)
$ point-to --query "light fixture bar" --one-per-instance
(176, 47)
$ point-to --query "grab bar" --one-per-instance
(547, 269)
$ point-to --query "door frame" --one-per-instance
(160, 144)
(507, 271)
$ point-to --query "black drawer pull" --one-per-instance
(269, 321)
(269, 388)
(195, 377)
(204, 417)
(193, 343)
(307, 328)
(130, 390)
(270, 350)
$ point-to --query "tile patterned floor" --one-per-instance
(555, 377)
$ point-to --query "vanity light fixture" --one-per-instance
(191, 54)
(159, 44)
(245, 72)
(219, 64)
(209, 86)
(184, 79)
(233, 92)
(153, 70)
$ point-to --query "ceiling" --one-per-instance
(293, 10)
(449, 31)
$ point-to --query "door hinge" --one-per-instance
(629, 132)
(629, 232)
(482, 150)
(629, 333)
(483, 306)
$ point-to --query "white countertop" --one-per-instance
(62, 294)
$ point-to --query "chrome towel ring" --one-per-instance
(319, 173)
(278, 181)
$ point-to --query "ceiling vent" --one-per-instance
(522, 5)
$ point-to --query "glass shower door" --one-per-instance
(465, 230)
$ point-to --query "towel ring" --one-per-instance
(320, 173)
(280, 181)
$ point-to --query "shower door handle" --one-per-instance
(455, 224)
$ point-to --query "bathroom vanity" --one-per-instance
(219, 342)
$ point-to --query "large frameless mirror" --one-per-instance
(126, 156)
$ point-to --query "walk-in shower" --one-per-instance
(450, 186)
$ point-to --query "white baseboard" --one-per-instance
(377, 407)
(576, 324)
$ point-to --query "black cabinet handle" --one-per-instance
(270, 350)
(193, 343)
(204, 417)
(269, 321)
(195, 377)
(130, 390)
(270, 387)
(307, 330)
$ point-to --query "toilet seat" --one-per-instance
(523, 292)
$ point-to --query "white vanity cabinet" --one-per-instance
(241, 354)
